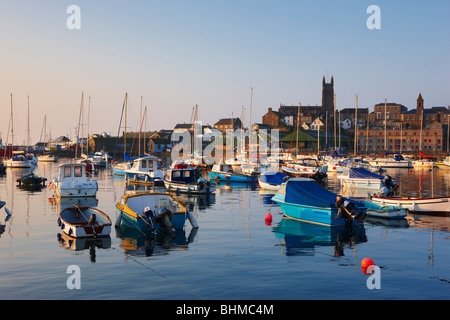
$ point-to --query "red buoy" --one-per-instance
(268, 219)
(365, 264)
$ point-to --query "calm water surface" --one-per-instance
(233, 255)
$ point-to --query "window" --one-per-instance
(186, 174)
(67, 172)
(144, 164)
(77, 171)
(176, 174)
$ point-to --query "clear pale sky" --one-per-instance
(177, 54)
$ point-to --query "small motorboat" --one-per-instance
(361, 178)
(432, 205)
(304, 200)
(397, 161)
(306, 168)
(272, 180)
(73, 182)
(230, 173)
(151, 211)
(47, 158)
(19, 160)
(182, 178)
(32, 180)
(385, 211)
(84, 222)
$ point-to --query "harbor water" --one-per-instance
(233, 255)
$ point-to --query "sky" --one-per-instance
(177, 54)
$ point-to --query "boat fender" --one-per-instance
(192, 220)
(59, 222)
(70, 231)
(62, 226)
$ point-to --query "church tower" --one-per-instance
(328, 94)
(419, 111)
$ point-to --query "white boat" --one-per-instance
(73, 182)
(120, 168)
(336, 166)
(183, 178)
(397, 161)
(433, 205)
(305, 168)
(444, 164)
(424, 163)
(361, 178)
(47, 158)
(19, 160)
(84, 222)
(145, 170)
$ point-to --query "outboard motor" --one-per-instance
(164, 218)
(348, 210)
(390, 183)
(383, 192)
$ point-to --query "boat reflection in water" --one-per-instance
(58, 204)
(301, 238)
(84, 244)
(138, 243)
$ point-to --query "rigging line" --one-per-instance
(162, 276)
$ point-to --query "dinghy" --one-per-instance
(153, 210)
(303, 199)
(84, 222)
(432, 205)
(31, 180)
(385, 211)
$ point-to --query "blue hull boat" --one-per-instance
(224, 172)
(304, 200)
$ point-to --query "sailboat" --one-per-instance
(424, 161)
(120, 168)
(18, 160)
(46, 157)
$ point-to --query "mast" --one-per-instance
(125, 128)
(298, 120)
(28, 126)
(356, 127)
(421, 127)
(78, 131)
(334, 122)
(140, 129)
(385, 122)
(89, 112)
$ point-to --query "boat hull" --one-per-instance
(375, 184)
(81, 190)
(231, 177)
(189, 188)
(385, 211)
(268, 186)
(143, 178)
(311, 214)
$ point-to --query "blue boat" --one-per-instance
(230, 173)
(271, 180)
(304, 200)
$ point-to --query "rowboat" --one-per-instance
(361, 178)
(304, 200)
(84, 222)
(432, 205)
(230, 173)
(271, 180)
(183, 179)
(153, 210)
(73, 182)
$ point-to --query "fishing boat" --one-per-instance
(31, 180)
(431, 205)
(303, 199)
(73, 182)
(183, 178)
(84, 222)
(19, 160)
(397, 161)
(272, 180)
(145, 170)
(385, 211)
(361, 178)
(152, 210)
(230, 173)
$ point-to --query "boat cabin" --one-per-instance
(146, 164)
(181, 173)
(72, 171)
